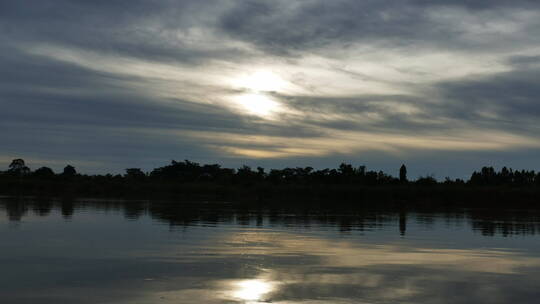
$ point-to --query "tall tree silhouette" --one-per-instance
(403, 174)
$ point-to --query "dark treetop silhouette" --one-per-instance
(211, 181)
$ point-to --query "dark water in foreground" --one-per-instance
(111, 252)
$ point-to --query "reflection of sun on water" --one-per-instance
(252, 290)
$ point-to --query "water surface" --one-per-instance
(141, 252)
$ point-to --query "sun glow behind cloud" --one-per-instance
(259, 86)
(260, 81)
(258, 104)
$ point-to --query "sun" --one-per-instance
(257, 90)
(258, 104)
(260, 81)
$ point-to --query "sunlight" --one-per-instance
(258, 104)
(257, 87)
(252, 290)
(260, 81)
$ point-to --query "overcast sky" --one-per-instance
(443, 86)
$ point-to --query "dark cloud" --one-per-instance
(480, 4)
(286, 29)
(151, 30)
(504, 100)
(282, 28)
(525, 61)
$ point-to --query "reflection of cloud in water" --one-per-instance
(295, 268)
(233, 264)
(345, 253)
(310, 268)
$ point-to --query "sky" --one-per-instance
(445, 87)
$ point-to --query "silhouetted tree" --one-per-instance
(505, 176)
(475, 179)
(260, 171)
(403, 174)
(135, 173)
(185, 171)
(69, 170)
(488, 176)
(246, 175)
(346, 171)
(426, 181)
(18, 167)
(44, 172)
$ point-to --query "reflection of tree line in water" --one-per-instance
(184, 214)
(346, 183)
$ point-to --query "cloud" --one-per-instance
(291, 27)
(156, 80)
(505, 98)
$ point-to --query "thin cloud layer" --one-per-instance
(108, 84)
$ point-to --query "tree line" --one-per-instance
(346, 174)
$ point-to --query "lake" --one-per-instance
(93, 251)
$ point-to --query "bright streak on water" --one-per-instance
(252, 290)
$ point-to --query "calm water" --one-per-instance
(114, 252)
